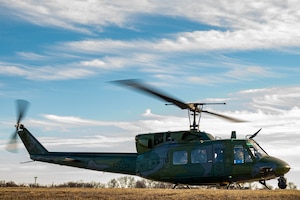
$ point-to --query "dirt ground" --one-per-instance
(145, 194)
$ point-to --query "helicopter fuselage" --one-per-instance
(198, 159)
(184, 157)
(209, 162)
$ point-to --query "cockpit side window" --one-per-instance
(241, 155)
(238, 154)
(248, 157)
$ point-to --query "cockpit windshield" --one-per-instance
(256, 150)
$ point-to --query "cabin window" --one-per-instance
(199, 156)
(219, 154)
(180, 157)
(241, 155)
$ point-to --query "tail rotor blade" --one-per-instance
(21, 106)
(21, 109)
(12, 145)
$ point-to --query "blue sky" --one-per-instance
(61, 56)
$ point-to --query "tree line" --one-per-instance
(129, 182)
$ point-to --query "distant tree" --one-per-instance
(126, 182)
(2, 183)
(140, 184)
(34, 185)
(11, 184)
(97, 185)
(23, 185)
(80, 184)
(162, 185)
(113, 183)
(145, 183)
(291, 186)
(122, 182)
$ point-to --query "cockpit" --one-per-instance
(248, 153)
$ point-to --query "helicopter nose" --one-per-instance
(271, 165)
(282, 167)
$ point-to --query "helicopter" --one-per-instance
(188, 157)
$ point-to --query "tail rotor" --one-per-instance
(21, 108)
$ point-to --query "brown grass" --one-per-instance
(120, 194)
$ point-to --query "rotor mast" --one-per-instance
(194, 114)
(194, 126)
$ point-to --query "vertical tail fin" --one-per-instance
(32, 145)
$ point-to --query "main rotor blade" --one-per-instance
(138, 85)
(135, 84)
(22, 107)
(232, 119)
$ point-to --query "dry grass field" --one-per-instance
(120, 194)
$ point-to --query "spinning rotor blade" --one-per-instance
(21, 106)
(12, 145)
(135, 84)
(232, 119)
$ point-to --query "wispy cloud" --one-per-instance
(97, 141)
(248, 25)
(242, 72)
(76, 15)
(44, 72)
(232, 26)
(52, 122)
(31, 55)
(273, 100)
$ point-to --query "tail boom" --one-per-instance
(124, 163)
